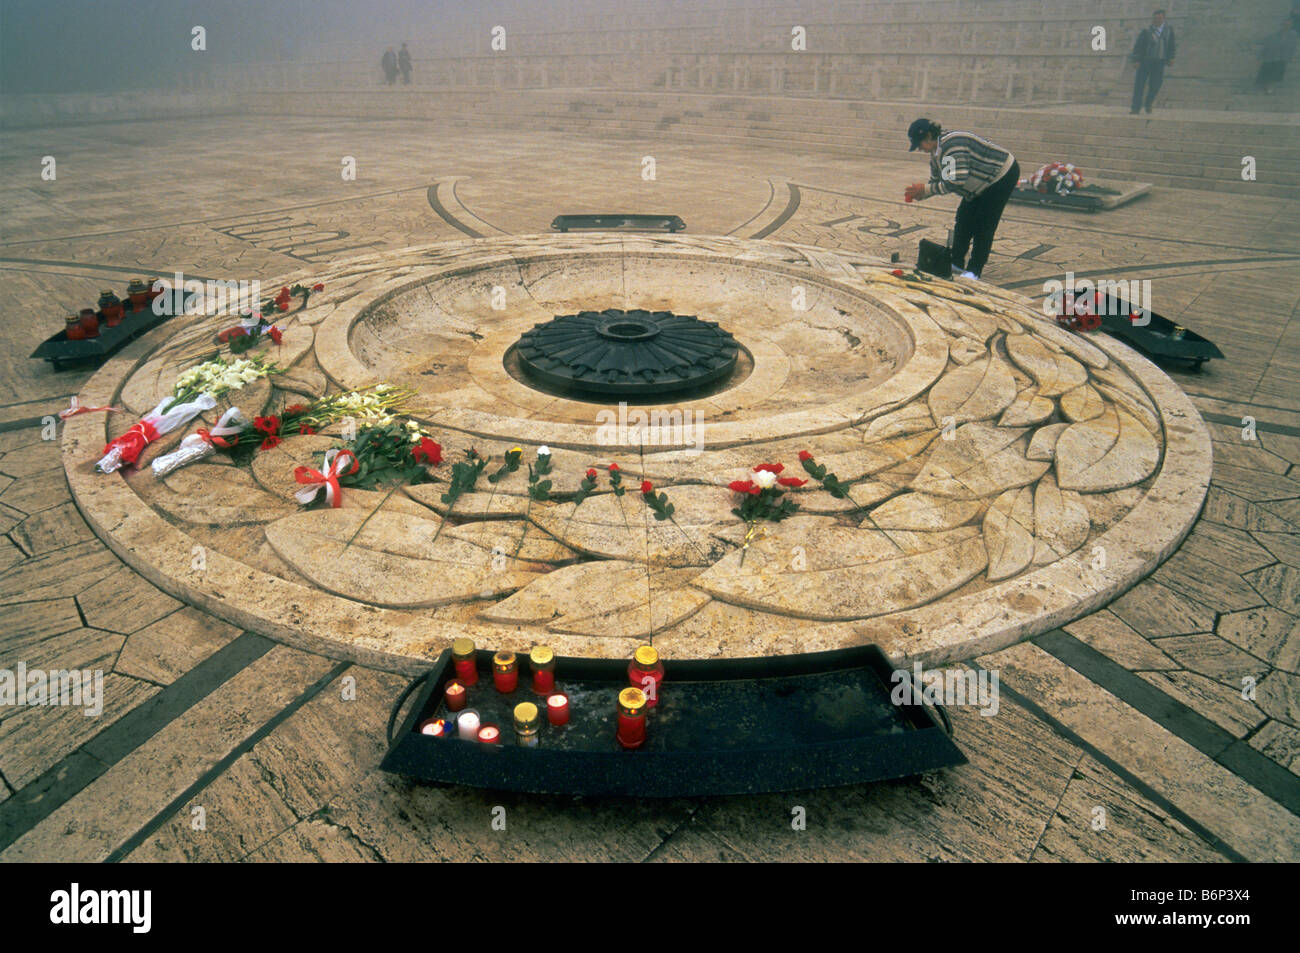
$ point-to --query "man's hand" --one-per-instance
(914, 192)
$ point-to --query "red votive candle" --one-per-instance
(505, 672)
(557, 709)
(646, 672)
(542, 661)
(462, 656)
(631, 718)
(455, 696)
(434, 726)
(490, 735)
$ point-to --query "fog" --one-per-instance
(59, 46)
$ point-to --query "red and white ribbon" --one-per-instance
(201, 444)
(74, 407)
(163, 419)
(315, 480)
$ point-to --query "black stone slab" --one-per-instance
(61, 352)
(733, 726)
(619, 222)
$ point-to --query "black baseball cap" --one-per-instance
(918, 130)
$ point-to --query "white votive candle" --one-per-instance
(467, 725)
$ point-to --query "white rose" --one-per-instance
(543, 451)
(765, 479)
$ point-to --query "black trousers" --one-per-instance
(977, 220)
(1152, 75)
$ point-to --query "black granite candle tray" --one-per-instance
(60, 351)
(619, 222)
(726, 726)
(1156, 338)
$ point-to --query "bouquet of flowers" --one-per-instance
(373, 405)
(196, 391)
(1059, 177)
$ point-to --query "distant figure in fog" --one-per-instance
(1153, 51)
(404, 64)
(390, 66)
(1277, 51)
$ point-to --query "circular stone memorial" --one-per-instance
(987, 474)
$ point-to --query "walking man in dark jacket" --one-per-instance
(404, 64)
(1153, 50)
(389, 64)
(982, 173)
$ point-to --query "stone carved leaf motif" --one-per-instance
(602, 598)
(1054, 373)
(907, 420)
(922, 512)
(977, 391)
(891, 571)
(964, 351)
(970, 324)
(619, 527)
(209, 494)
(1042, 446)
(873, 457)
(294, 343)
(1082, 403)
(1060, 521)
(1135, 399)
(1106, 453)
(1075, 345)
(1009, 533)
(394, 561)
(980, 461)
(1029, 408)
(1136, 405)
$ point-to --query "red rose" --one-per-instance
(282, 305)
(427, 451)
(591, 474)
(790, 481)
(225, 336)
(275, 334)
(295, 409)
(267, 425)
(805, 455)
(897, 272)
(769, 467)
(270, 442)
(318, 287)
(741, 486)
(284, 293)
(306, 431)
(613, 466)
(647, 487)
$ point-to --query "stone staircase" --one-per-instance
(1167, 148)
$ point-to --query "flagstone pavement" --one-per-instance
(1165, 726)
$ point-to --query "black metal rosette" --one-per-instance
(637, 353)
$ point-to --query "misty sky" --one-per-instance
(88, 45)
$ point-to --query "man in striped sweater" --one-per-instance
(983, 174)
